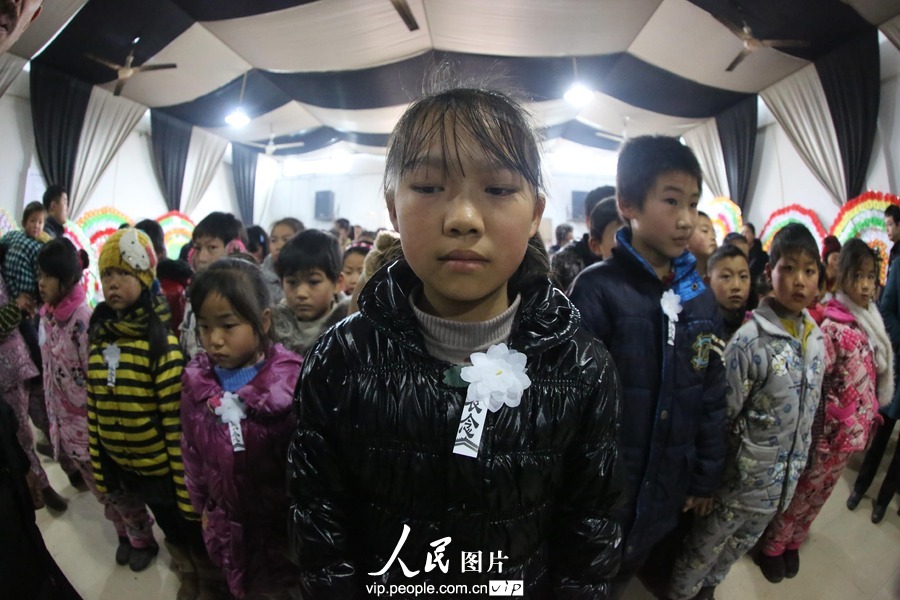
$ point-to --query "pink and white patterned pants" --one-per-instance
(790, 528)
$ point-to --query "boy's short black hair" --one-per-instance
(593, 198)
(793, 238)
(311, 249)
(603, 214)
(52, 194)
(750, 226)
(732, 237)
(155, 232)
(643, 159)
(563, 230)
(725, 251)
(30, 209)
(893, 211)
(220, 225)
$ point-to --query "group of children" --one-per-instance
(469, 409)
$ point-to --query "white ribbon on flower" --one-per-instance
(671, 306)
(111, 355)
(232, 411)
(496, 378)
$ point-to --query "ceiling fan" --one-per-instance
(402, 7)
(126, 71)
(745, 34)
(270, 147)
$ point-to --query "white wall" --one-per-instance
(357, 196)
(782, 178)
(16, 147)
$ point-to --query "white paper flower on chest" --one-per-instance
(497, 377)
(671, 305)
(231, 409)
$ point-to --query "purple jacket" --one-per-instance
(242, 495)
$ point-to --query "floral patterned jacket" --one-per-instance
(774, 382)
(851, 405)
(64, 349)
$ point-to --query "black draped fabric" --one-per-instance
(737, 133)
(58, 106)
(171, 140)
(243, 171)
(851, 78)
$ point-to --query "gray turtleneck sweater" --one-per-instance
(454, 341)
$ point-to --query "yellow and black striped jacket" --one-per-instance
(136, 423)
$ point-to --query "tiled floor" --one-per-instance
(846, 557)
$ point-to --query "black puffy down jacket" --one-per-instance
(373, 452)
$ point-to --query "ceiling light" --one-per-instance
(238, 118)
(578, 95)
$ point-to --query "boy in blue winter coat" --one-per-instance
(649, 306)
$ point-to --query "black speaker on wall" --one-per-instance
(578, 205)
(325, 205)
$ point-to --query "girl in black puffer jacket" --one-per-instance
(421, 460)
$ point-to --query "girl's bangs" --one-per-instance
(459, 125)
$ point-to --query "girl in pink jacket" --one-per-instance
(237, 422)
(63, 338)
(859, 378)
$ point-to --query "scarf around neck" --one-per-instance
(872, 324)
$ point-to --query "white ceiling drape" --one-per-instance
(10, 67)
(799, 105)
(705, 142)
(108, 121)
(204, 157)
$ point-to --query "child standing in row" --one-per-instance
(354, 259)
(16, 370)
(648, 305)
(21, 247)
(174, 276)
(858, 379)
(134, 395)
(396, 468)
(729, 277)
(774, 367)
(64, 347)
(237, 425)
(217, 235)
(605, 222)
(310, 269)
(703, 242)
(282, 231)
